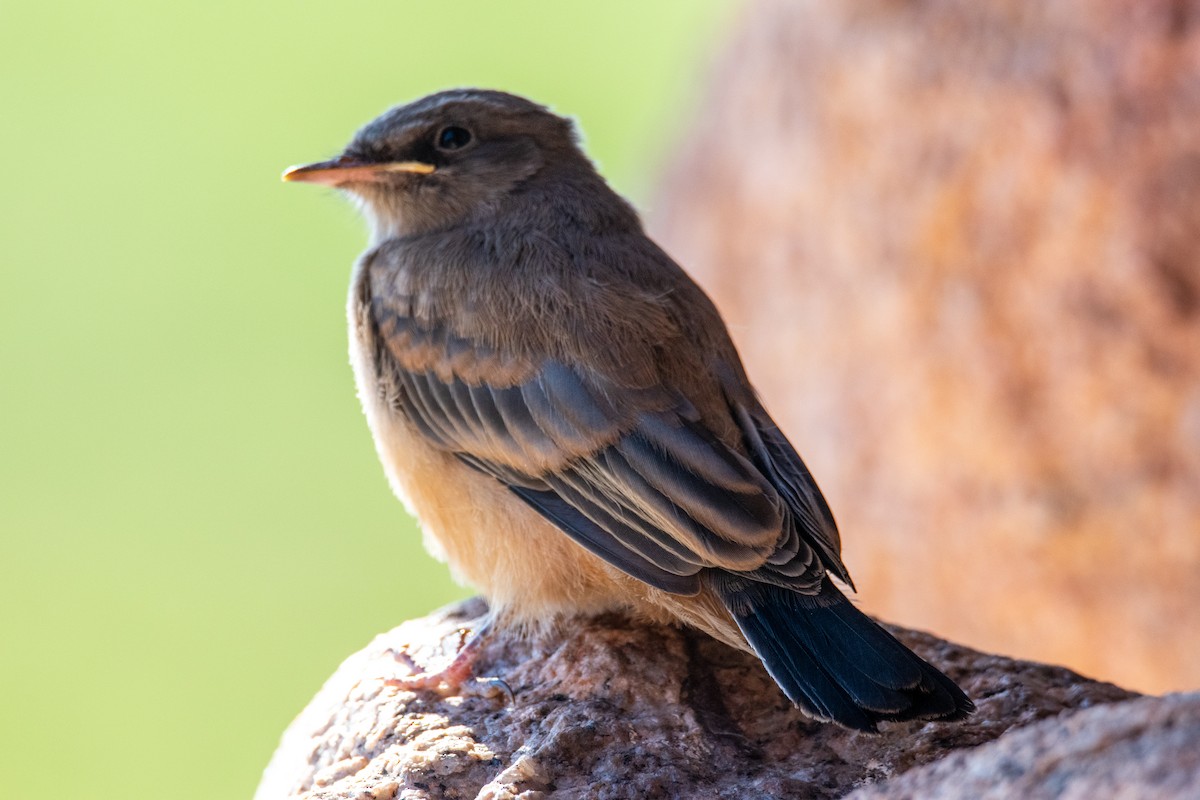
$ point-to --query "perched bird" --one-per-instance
(564, 411)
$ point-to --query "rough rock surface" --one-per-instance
(1147, 749)
(611, 709)
(958, 244)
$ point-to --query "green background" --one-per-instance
(194, 530)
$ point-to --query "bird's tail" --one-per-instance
(834, 661)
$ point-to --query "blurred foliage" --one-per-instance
(194, 530)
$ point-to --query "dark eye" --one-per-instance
(453, 138)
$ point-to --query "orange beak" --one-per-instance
(343, 169)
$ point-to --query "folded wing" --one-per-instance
(631, 473)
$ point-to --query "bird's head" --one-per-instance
(441, 159)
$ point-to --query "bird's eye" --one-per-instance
(453, 138)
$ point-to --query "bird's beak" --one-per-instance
(344, 169)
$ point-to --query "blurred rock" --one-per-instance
(959, 246)
(1148, 749)
(612, 709)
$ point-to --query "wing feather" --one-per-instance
(632, 473)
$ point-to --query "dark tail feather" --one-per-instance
(834, 661)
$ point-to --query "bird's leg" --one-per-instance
(453, 674)
(450, 678)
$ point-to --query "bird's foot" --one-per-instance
(455, 676)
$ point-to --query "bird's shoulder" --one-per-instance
(613, 301)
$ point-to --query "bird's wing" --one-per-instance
(805, 505)
(630, 472)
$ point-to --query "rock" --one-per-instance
(608, 708)
(958, 244)
(1147, 748)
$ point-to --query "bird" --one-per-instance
(564, 411)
